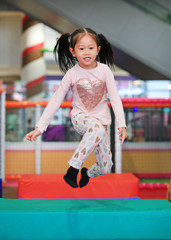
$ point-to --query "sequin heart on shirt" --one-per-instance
(90, 92)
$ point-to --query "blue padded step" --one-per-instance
(52, 219)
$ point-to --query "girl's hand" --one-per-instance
(32, 136)
(122, 134)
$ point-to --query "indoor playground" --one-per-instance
(134, 196)
(133, 201)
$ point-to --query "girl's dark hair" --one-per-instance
(66, 41)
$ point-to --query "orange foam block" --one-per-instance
(124, 185)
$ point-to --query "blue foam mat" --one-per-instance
(23, 219)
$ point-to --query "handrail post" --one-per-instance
(112, 139)
(38, 143)
(118, 152)
(2, 135)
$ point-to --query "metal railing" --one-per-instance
(148, 120)
(155, 9)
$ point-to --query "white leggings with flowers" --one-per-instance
(95, 138)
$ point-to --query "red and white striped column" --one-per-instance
(33, 64)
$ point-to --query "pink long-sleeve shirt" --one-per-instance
(89, 90)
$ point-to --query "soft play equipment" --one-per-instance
(52, 186)
(153, 188)
(169, 192)
(53, 219)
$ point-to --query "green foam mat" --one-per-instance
(155, 180)
(27, 219)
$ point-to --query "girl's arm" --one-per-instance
(54, 103)
(32, 136)
(116, 105)
(115, 99)
(122, 134)
(50, 109)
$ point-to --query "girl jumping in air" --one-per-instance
(83, 56)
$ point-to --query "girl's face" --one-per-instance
(86, 51)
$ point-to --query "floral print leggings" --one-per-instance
(95, 138)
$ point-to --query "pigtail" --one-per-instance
(62, 54)
(106, 52)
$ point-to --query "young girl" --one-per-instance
(83, 56)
